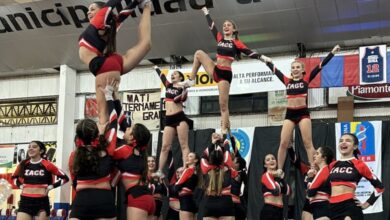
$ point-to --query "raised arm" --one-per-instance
(110, 133)
(280, 75)
(318, 68)
(162, 76)
(218, 36)
(244, 49)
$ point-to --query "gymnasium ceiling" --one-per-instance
(269, 26)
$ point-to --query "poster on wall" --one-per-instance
(277, 106)
(143, 108)
(369, 134)
(372, 63)
(6, 155)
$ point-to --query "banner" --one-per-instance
(143, 108)
(369, 134)
(361, 94)
(6, 155)
(277, 106)
(372, 64)
(248, 77)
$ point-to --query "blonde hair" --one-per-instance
(302, 65)
(216, 177)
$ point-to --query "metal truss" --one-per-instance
(28, 113)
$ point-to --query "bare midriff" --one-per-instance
(340, 190)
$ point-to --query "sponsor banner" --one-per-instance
(362, 93)
(369, 134)
(6, 155)
(248, 77)
(143, 108)
(372, 64)
(277, 106)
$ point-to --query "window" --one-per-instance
(247, 103)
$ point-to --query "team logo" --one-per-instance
(242, 141)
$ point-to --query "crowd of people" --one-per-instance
(211, 181)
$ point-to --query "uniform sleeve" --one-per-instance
(125, 13)
(123, 121)
(63, 178)
(268, 181)
(318, 68)
(123, 152)
(17, 180)
(217, 35)
(277, 72)
(313, 185)
(284, 187)
(162, 77)
(244, 49)
(71, 171)
(111, 133)
(365, 171)
(187, 173)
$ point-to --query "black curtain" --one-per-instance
(323, 134)
(265, 141)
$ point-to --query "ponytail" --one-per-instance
(111, 35)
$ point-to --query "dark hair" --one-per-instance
(241, 163)
(22, 165)
(111, 35)
(142, 136)
(265, 169)
(198, 170)
(356, 151)
(181, 75)
(99, 4)
(41, 148)
(110, 31)
(327, 153)
(216, 157)
(87, 157)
